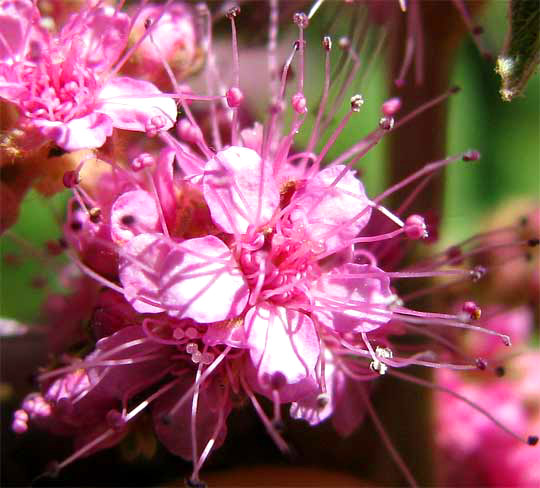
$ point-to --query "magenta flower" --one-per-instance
(65, 85)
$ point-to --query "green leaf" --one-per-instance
(521, 52)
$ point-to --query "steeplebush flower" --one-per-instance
(236, 266)
(66, 85)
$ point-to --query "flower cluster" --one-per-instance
(220, 263)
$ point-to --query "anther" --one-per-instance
(327, 43)
(455, 89)
(233, 12)
(500, 371)
(299, 104)
(532, 440)
(234, 97)
(478, 273)
(127, 220)
(192, 347)
(471, 155)
(481, 364)
(415, 227)
(533, 242)
(472, 310)
(386, 123)
(379, 366)
(147, 22)
(71, 179)
(95, 214)
(356, 102)
(322, 400)
(301, 20)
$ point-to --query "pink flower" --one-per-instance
(64, 85)
(240, 266)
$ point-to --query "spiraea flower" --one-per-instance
(471, 443)
(235, 265)
(66, 86)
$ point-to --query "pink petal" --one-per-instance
(132, 104)
(86, 132)
(349, 404)
(359, 304)
(323, 207)
(15, 20)
(201, 280)
(138, 205)
(175, 430)
(101, 36)
(239, 189)
(140, 270)
(281, 341)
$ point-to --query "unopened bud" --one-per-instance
(234, 97)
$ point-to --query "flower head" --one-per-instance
(65, 86)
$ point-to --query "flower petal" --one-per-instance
(140, 270)
(133, 213)
(239, 189)
(355, 300)
(132, 104)
(86, 132)
(282, 342)
(201, 281)
(324, 206)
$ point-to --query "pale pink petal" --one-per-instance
(101, 35)
(343, 401)
(356, 298)
(174, 430)
(282, 342)
(332, 213)
(86, 132)
(201, 280)
(132, 104)
(239, 189)
(15, 18)
(140, 269)
(174, 33)
(349, 404)
(133, 213)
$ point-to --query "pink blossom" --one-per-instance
(64, 85)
